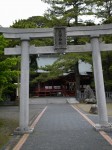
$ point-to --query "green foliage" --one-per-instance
(107, 69)
(39, 21)
(67, 13)
(68, 10)
(108, 85)
(64, 64)
(24, 24)
(32, 22)
(7, 68)
(102, 9)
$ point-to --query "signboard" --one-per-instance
(60, 42)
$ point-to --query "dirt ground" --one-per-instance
(9, 121)
(86, 107)
(12, 112)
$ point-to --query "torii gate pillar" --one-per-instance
(24, 89)
(99, 83)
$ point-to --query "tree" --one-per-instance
(102, 8)
(32, 22)
(107, 69)
(51, 21)
(8, 72)
(68, 13)
(65, 63)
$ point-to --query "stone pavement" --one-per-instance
(63, 128)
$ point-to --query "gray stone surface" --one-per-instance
(72, 100)
(48, 100)
(94, 109)
(48, 32)
(24, 87)
(50, 49)
(63, 128)
(89, 96)
(99, 81)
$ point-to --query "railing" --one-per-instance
(108, 95)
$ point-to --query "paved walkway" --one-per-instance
(63, 128)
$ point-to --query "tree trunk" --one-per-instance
(77, 75)
(77, 78)
(1, 93)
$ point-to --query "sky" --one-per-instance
(11, 10)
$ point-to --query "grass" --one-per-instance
(7, 127)
(86, 107)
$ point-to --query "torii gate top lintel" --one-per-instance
(12, 33)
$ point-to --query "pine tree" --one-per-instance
(68, 13)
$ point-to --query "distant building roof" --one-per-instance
(84, 68)
(42, 61)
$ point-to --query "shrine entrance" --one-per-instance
(95, 46)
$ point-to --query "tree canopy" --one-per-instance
(69, 12)
(8, 71)
(60, 13)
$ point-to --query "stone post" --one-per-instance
(24, 87)
(99, 82)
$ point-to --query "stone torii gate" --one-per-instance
(95, 46)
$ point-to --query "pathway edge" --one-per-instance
(102, 133)
(25, 136)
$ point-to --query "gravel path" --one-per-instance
(63, 128)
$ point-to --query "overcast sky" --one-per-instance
(11, 10)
